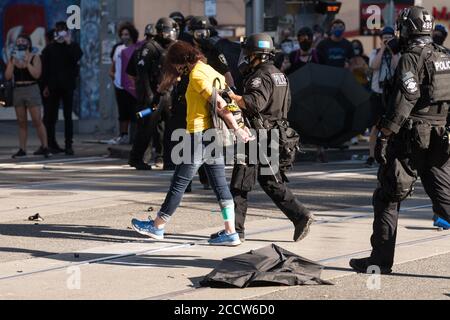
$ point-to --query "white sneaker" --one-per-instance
(123, 140)
(113, 141)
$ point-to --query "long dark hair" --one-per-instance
(134, 33)
(181, 57)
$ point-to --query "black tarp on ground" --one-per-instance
(329, 107)
(269, 266)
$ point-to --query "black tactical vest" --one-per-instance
(434, 77)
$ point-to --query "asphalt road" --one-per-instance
(87, 203)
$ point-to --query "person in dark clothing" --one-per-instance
(60, 61)
(305, 54)
(414, 140)
(49, 38)
(146, 68)
(266, 95)
(182, 22)
(335, 51)
(300, 58)
(440, 34)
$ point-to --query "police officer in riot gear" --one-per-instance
(146, 67)
(201, 31)
(265, 103)
(414, 141)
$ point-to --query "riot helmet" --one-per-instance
(414, 22)
(256, 47)
(200, 28)
(167, 30)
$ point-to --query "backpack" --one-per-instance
(223, 135)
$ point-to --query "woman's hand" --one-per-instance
(28, 57)
(221, 103)
(244, 135)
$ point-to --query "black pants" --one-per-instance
(126, 105)
(144, 130)
(396, 180)
(51, 115)
(242, 182)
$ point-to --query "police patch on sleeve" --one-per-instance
(409, 83)
(279, 79)
(223, 59)
(256, 83)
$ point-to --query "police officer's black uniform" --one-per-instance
(146, 67)
(419, 145)
(267, 92)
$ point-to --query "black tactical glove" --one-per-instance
(380, 150)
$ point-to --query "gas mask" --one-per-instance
(201, 36)
(167, 35)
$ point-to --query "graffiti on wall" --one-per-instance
(33, 17)
(36, 17)
(90, 72)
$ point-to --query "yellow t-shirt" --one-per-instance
(198, 92)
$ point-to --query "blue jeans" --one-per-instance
(185, 172)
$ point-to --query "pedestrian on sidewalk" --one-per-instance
(60, 62)
(183, 58)
(25, 68)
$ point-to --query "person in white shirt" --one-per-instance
(125, 100)
(383, 63)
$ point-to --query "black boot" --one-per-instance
(302, 227)
(69, 151)
(361, 266)
(140, 165)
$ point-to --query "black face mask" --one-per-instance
(163, 40)
(305, 45)
(22, 47)
(438, 39)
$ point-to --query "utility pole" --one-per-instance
(254, 16)
(100, 20)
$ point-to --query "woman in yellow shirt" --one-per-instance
(182, 58)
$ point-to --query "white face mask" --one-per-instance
(60, 36)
